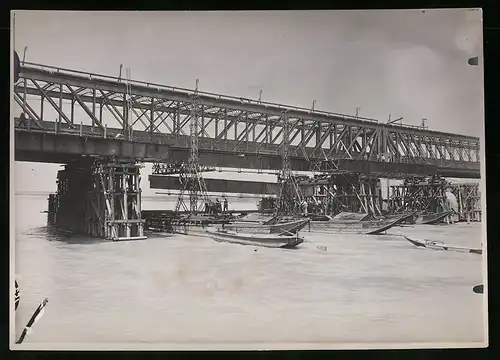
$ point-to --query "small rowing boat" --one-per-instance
(291, 227)
(438, 245)
(272, 241)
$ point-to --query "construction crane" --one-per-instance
(191, 180)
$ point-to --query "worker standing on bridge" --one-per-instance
(225, 205)
(22, 119)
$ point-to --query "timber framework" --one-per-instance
(99, 198)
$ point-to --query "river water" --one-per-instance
(179, 289)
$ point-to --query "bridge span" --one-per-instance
(99, 115)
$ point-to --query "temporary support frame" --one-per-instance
(115, 201)
(100, 198)
(341, 191)
(430, 194)
(418, 193)
(290, 198)
(469, 201)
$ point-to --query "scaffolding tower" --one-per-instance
(191, 180)
(290, 198)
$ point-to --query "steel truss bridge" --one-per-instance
(97, 115)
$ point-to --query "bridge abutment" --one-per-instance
(99, 198)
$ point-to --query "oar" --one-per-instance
(478, 289)
(34, 318)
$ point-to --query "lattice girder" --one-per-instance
(228, 123)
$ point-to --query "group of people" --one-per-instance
(216, 207)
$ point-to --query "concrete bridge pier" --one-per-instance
(99, 198)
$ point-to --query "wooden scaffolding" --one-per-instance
(469, 201)
(342, 191)
(418, 194)
(114, 203)
(429, 194)
(101, 198)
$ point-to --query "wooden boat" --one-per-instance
(291, 227)
(438, 245)
(373, 227)
(272, 241)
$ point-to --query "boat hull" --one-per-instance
(255, 228)
(434, 245)
(271, 241)
(431, 219)
(354, 227)
(350, 216)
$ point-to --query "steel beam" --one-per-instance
(217, 185)
(39, 146)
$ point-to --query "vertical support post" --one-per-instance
(246, 127)
(151, 119)
(72, 111)
(267, 129)
(177, 120)
(236, 123)
(93, 108)
(139, 205)
(303, 132)
(59, 118)
(125, 201)
(111, 188)
(331, 136)
(216, 126)
(42, 100)
(25, 98)
(253, 130)
(125, 116)
(202, 121)
(225, 124)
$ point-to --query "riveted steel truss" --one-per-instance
(227, 124)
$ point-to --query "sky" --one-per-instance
(407, 63)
